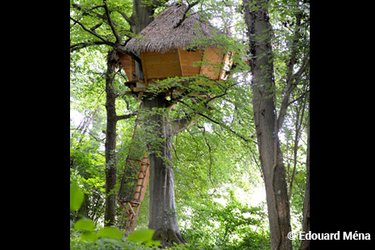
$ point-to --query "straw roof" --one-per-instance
(167, 32)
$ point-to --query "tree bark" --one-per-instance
(142, 15)
(305, 244)
(259, 32)
(110, 142)
(163, 216)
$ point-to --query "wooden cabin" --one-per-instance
(211, 62)
(163, 49)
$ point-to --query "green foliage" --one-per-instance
(88, 236)
(85, 237)
(211, 225)
(86, 171)
(76, 197)
(84, 234)
(110, 232)
(259, 240)
(84, 224)
(144, 237)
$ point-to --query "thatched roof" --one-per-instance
(167, 31)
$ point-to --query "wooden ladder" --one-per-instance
(132, 207)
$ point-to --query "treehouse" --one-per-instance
(176, 43)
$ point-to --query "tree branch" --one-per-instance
(123, 117)
(294, 47)
(96, 26)
(299, 121)
(79, 7)
(180, 124)
(82, 45)
(299, 97)
(126, 17)
(290, 87)
(96, 138)
(88, 12)
(221, 95)
(220, 123)
(91, 12)
(110, 22)
(92, 32)
(191, 5)
(284, 106)
(297, 76)
(291, 82)
(209, 154)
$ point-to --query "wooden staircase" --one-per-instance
(132, 206)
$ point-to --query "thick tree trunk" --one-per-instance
(155, 129)
(143, 14)
(110, 142)
(305, 244)
(259, 31)
(163, 217)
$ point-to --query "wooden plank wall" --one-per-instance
(180, 62)
(212, 63)
(190, 62)
(160, 65)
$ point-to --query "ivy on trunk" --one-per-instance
(160, 133)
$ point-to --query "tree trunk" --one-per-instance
(163, 217)
(110, 142)
(156, 130)
(305, 244)
(143, 14)
(259, 32)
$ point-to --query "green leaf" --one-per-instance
(110, 232)
(84, 224)
(152, 243)
(142, 235)
(89, 236)
(76, 197)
